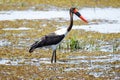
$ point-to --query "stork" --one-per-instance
(52, 40)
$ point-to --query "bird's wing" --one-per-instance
(50, 39)
(47, 40)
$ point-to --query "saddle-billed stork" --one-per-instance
(53, 40)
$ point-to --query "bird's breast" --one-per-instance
(62, 31)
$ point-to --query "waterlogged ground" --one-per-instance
(96, 56)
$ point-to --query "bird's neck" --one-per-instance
(71, 22)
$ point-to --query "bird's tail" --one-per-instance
(31, 50)
(33, 47)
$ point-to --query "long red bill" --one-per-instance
(80, 16)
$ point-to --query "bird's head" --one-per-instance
(75, 11)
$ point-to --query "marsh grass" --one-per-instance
(90, 41)
(73, 45)
(76, 39)
(76, 43)
(33, 72)
(28, 4)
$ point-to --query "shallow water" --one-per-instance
(94, 13)
(103, 28)
(4, 42)
(106, 23)
(93, 63)
(20, 28)
(88, 63)
(108, 19)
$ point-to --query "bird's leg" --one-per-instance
(52, 56)
(55, 55)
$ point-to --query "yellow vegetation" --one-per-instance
(26, 4)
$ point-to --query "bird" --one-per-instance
(52, 40)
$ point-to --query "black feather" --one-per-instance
(47, 40)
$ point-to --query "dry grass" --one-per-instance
(32, 72)
(37, 30)
(46, 71)
(26, 4)
(19, 50)
(50, 72)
